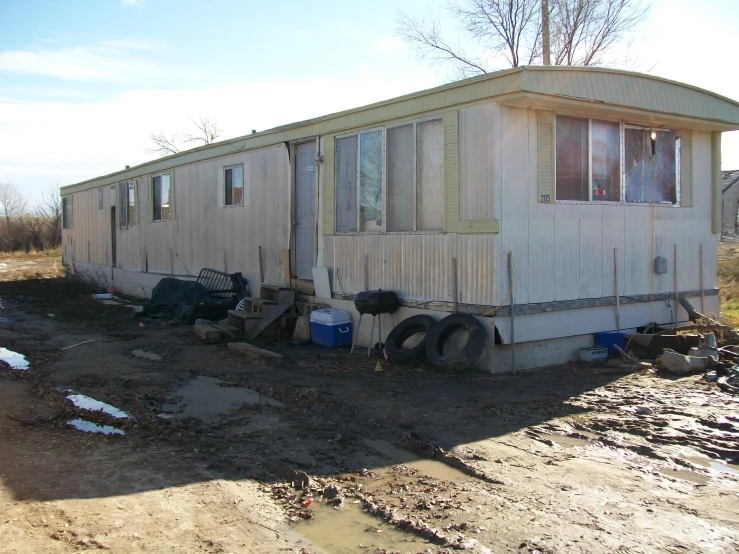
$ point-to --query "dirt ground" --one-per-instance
(326, 454)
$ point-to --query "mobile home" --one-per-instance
(603, 187)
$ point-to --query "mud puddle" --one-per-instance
(14, 359)
(92, 405)
(432, 468)
(90, 427)
(348, 529)
(206, 398)
(685, 475)
(721, 467)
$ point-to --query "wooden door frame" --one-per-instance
(293, 154)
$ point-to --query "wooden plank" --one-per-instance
(259, 354)
(237, 318)
(286, 267)
(228, 332)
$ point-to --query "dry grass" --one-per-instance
(22, 266)
(728, 282)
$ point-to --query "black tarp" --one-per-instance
(185, 301)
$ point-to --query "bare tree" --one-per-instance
(164, 145)
(12, 207)
(206, 131)
(583, 32)
(12, 202)
(48, 211)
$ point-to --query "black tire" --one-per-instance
(470, 351)
(402, 332)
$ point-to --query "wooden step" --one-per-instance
(277, 293)
(259, 354)
(237, 318)
(229, 332)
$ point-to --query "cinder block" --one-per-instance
(207, 332)
(259, 354)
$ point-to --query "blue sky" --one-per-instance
(83, 83)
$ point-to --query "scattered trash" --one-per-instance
(593, 354)
(141, 324)
(50, 315)
(90, 427)
(145, 355)
(378, 366)
(643, 410)
(78, 344)
(13, 359)
(681, 364)
(102, 296)
(90, 404)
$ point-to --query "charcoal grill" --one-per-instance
(374, 303)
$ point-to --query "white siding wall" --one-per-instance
(562, 251)
(204, 233)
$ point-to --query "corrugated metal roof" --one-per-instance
(729, 178)
(585, 85)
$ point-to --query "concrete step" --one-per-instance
(259, 354)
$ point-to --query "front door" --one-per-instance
(305, 210)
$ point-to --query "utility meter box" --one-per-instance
(660, 265)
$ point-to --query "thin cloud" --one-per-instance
(76, 64)
(137, 44)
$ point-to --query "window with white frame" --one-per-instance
(67, 212)
(605, 161)
(233, 185)
(407, 162)
(588, 159)
(128, 211)
(162, 197)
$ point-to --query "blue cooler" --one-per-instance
(331, 327)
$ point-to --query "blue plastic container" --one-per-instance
(608, 340)
(331, 328)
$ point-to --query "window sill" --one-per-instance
(614, 203)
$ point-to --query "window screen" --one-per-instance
(370, 181)
(572, 158)
(430, 176)
(346, 184)
(400, 178)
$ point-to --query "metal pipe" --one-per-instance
(356, 334)
(618, 296)
(511, 279)
(676, 290)
(454, 284)
(372, 334)
(700, 271)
